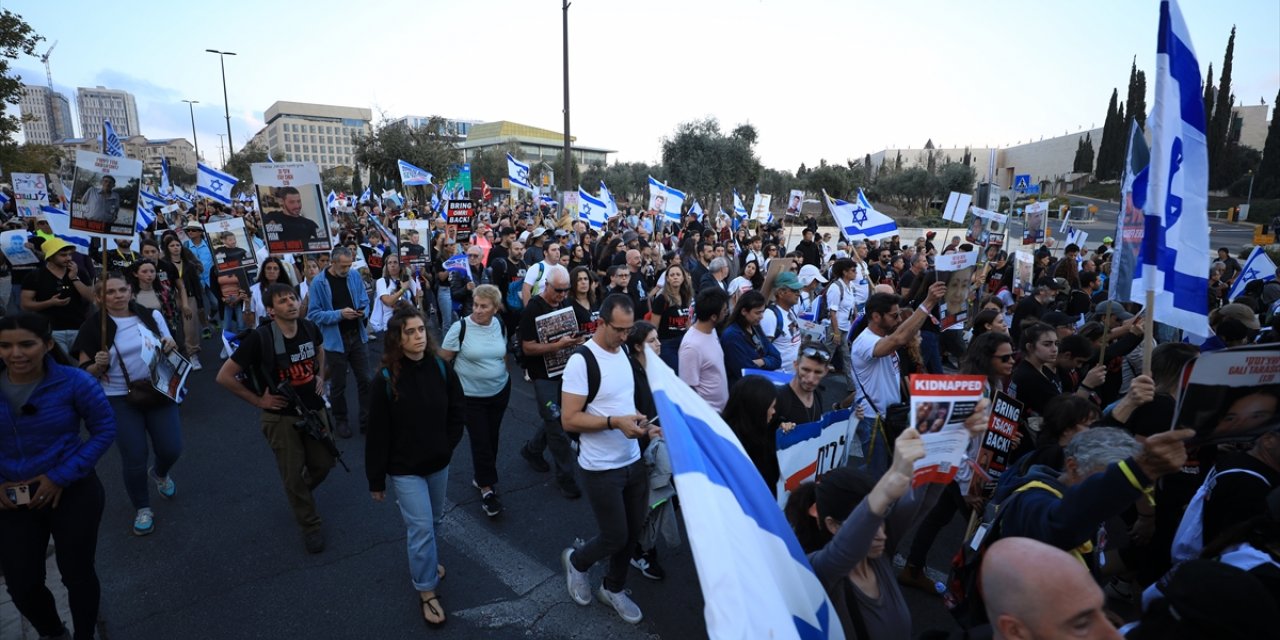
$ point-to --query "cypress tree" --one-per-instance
(1109, 138)
(1267, 182)
(1219, 129)
(1137, 96)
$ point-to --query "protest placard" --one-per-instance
(414, 240)
(956, 271)
(230, 243)
(104, 194)
(760, 207)
(293, 213)
(997, 444)
(168, 370)
(1034, 222)
(939, 406)
(794, 202)
(31, 191)
(551, 327)
(1230, 396)
(1023, 273)
(14, 243)
(459, 215)
(809, 450)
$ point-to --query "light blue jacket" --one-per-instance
(204, 255)
(320, 308)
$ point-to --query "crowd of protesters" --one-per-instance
(1137, 524)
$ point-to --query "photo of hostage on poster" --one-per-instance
(293, 212)
(940, 405)
(230, 243)
(1231, 396)
(104, 194)
(414, 240)
(956, 271)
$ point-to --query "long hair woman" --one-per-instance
(135, 337)
(477, 346)
(49, 467)
(671, 309)
(189, 269)
(749, 413)
(585, 299)
(393, 288)
(417, 412)
(272, 271)
(153, 293)
(745, 345)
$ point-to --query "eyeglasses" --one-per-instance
(1007, 357)
(816, 353)
(560, 290)
(626, 330)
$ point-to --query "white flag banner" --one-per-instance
(760, 207)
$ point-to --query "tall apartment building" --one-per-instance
(319, 133)
(46, 115)
(100, 103)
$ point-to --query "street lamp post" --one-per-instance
(226, 104)
(568, 155)
(194, 140)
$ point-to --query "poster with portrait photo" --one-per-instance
(292, 207)
(956, 271)
(1034, 223)
(1230, 396)
(795, 201)
(230, 244)
(414, 241)
(940, 404)
(14, 243)
(104, 194)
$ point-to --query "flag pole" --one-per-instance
(1148, 331)
(102, 254)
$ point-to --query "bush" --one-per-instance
(1262, 211)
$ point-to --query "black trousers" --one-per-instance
(617, 498)
(24, 537)
(484, 420)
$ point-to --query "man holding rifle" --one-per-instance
(279, 369)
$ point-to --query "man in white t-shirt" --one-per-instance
(877, 379)
(615, 479)
(780, 323)
(535, 278)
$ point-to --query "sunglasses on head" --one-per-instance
(816, 353)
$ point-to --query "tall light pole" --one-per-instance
(226, 104)
(194, 140)
(222, 158)
(568, 155)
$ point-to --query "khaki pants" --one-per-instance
(303, 463)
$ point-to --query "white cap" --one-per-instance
(538, 231)
(809, 273)
(524, 236)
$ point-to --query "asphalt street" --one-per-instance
(1234, 236)
(226, 559)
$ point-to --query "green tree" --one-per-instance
(1137, 100)
(491, 163)
(835, 179)
(629, 181)
(1111, 148)
(239, 164)
(336, 179)
(776, 182)
(909, 189)
(357, 185)
(180, 175)
(563, 182)
(428, 147)
(1220, 124)
(699, 158)
(30, 158)
(1268, 180)
(955, 177)
(16, 38)
(1084, 155)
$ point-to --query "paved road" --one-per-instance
(1234, 236)
(226, 560)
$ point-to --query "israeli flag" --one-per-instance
(458, 264)
(366, 196)
(739, 211)
(436, 203)
(386, 233)
(331, 200)
(165, 186)
(146, 209)
(60, 225)
(179, 194)
(269, 158)
(607, 196)
(1258, 267)
(1175, 242)
(860, 220)
(549, 201)
(411, 176)
(695, 210)
(111, 144)
(518, 173)
(761, 585)
(214, 184)
(673, 199)
(592, 209)
(3, 198)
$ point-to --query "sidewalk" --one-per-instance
(12, 624)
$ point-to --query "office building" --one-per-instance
(46, 115)
(456, 129)
(534, 144)
(99, 103)
(319, 133)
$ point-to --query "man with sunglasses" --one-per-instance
(800, 401)
(546, 388)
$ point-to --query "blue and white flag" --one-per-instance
(592, 209)
(331, 200)
(111, 145)
(761, 585)
(1175, 243)
(860, 220)
(549, 201)
(667, 200)
(1258, 267)
(458, 264)
(60, 225)
(518, 174)
(147, 202)
(179, 194)
(386, 233)
(367, 195)
(3, 198)
(607, 197)
(411, 176)
(165, 185)
(695, 210)
(269, 158)
(214, 184)
(739, 211)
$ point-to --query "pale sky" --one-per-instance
(818, 78)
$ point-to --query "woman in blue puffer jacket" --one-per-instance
(47, 483)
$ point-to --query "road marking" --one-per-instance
(515, 568)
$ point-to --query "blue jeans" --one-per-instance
(133, 427)
(355, 356)
(552, 435)
(232, 319)
(670, 353)
(875, 448)
(444, 300)
(931, 351)
(421, 500)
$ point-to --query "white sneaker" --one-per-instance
(622, 603)
(579, 586)
(195, 364)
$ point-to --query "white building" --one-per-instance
(100, 103)
(319, 133)
(46, 115)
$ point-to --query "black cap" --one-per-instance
(1052, 283)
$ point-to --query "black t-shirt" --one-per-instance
(121, 260)
(167, 273)
(1034, 388)
(905, 281)
(789, 408)
(292, 229)
(1027, 307)
(341, 297)
(301, 351)
(673, 320)
(1237, 496)
(537, 306)
(588, 319)
(45, 285)
(229, 257)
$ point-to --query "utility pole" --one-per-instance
(222, 156)
(568, 154)
(226, 104)
(194, 140)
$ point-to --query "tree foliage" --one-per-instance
(491, 164)
(1084, 155)
(30, 158)
(699, 158)
(629, 181)
(1111, 147)
(427, 146)
(1268, 180)
(1221, 136)
(1137, 100)
(240, 162)
(16, 38)
(337, 179)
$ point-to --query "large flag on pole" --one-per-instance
(739, 211)
(1130, 223)
(611, 203)
(859, 220)
(411, 176)
(695, 210)
(662, 197)
(518, 174)
(1175, 243)
(111, 145)
(591, 209)
(214, 184)
(1258, 267)
(761, 585)
(165, 185)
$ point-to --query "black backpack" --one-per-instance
(643, 395)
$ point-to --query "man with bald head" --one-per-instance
(1037, 592)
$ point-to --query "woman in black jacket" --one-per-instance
(415, 421)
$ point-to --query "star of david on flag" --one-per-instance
(518, 173)
(1259, 266)
(214, 184)
(860, 220)
(111, 145)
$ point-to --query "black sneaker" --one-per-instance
(536, 461)
(647, 563)
(490, 503)
(344, 429)
(570, 490)
(314, 541)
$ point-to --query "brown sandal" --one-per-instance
(432, 609)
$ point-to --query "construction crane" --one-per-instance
(48, 72)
